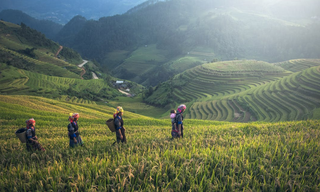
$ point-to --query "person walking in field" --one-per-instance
(174, 130)
(118, 123)
(32, 139)
(177, 130)
(73, 130)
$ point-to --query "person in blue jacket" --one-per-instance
(73, 130)
(177, 131)
(118, 123)
(32, 139)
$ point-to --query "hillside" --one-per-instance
(213, 156)
(15, 81)
(245, 91)
(30, 66)
(29, 42)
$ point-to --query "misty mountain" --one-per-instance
(49, 28)
(61, 11)
(226, 29)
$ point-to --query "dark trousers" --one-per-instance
(176, 135)
(31, 146)
(123, 140)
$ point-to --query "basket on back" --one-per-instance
(110, 124)
(21, 134)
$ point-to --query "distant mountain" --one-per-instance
(49, 28)
(61, 11)
(156, 40)
(72, 28)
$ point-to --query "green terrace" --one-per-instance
(206, 83)
(298, 64)
(294, 97)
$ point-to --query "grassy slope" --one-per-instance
(11, 39)
(141, 60)
(146, 59)
(16, 81)
(213, 156)
(136, 105)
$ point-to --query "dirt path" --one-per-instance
(94, 76)
(128, 94)
(82, 73)
(81, 66)
(83, 63)
(60, 48)
(247, 115)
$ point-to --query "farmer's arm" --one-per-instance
(179, 121)
(29, 136)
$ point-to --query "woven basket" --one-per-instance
(110, 124)
(21, 134)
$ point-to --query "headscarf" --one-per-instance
(72, 116)
(181, 107)
(118, 110)
(30, 122)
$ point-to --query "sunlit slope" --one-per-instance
(17, 107)
(215, 80)
(15, 81)
(295, 97)
(212, 156)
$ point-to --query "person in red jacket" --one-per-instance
(32, 139)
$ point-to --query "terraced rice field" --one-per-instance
(293, 97)
(212, 81)
(298, 64)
